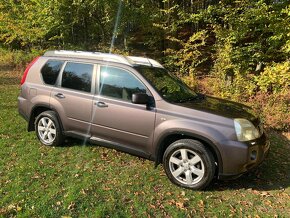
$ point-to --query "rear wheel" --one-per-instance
(189, 164)
(48, 129)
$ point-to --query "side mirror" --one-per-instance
(140, 98)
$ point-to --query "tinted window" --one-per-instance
(118, 83)
(50, 71)
(77, 76)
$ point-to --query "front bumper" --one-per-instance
(240, 157)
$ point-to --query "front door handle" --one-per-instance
(59, 95)
(101, 104)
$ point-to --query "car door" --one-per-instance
(115, 117)
(73, 97)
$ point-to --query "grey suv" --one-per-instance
(134, 105)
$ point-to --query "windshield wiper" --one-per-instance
(192, 98)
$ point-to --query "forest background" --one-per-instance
(232, 49)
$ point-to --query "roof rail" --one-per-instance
(145, 61)
(128, 60)
(89, 55)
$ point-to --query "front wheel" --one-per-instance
(189, 164)
(48, 129)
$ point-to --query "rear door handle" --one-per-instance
(101, 104)
(59, 95)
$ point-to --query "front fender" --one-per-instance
(215, 133)
(211, 135)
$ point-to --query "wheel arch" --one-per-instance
(38, 109)
(171, 137)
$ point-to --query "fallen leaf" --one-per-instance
(180, 205)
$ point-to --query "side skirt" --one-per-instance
(119, 147)
(109, 144)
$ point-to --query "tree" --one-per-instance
(24, 23)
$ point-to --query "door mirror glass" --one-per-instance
(140, 98)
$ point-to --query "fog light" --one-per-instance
(253, 155)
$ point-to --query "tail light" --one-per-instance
(27, 69)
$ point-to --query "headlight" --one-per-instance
(245, 130)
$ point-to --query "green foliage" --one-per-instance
(275, 78)
(245, 44)
(18, 58)
(251, 35)
(72, 23)
(232, 83)
(24, 23)
(189, 56)
(286, 13)
(257, 31)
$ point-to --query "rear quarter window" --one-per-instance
(50, 71)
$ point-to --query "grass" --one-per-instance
(91, 181)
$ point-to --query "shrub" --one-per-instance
(273, 109)
(275, 78)
(232, 82)
(189, 54)
(18, 58)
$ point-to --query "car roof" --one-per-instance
(128, 60)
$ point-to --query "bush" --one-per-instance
(232, 82)
(273, 109)
(186, 55)
(275, 78)
(18, 58)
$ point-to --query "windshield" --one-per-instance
(167, 85)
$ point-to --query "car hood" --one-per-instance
(220, 107)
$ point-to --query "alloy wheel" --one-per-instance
(186, 166)
(46, 130)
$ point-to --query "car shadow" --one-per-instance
(71, 142)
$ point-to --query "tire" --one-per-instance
(48, 130)
(189, 164)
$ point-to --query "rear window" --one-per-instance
(50, 71)
(77, 76)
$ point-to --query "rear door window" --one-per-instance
(50, 71)
(77, 76)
